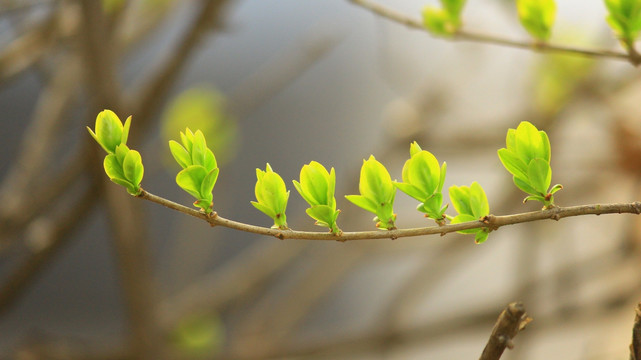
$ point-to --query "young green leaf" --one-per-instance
(527, 157)
(200, 170)
(471, 204)
(317, 186)
(423, 180)
(191, 178)
(537, 17)
(110, 131)
(125, 168)
(624, 17)
(377, 193)
(271, 195)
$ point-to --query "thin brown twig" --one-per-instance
(491, 39)
(512, 320)
(492, 222)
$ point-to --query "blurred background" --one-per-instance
(88, 272)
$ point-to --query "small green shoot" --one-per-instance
(271, 196)
(377, 193)
(122, 165)
(527, 158)
(423, 180)
(317, 187)
(109, 131)
(200, 169)
(471, 204)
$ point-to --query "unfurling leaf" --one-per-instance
(200, 169)
(377, 193)
(527, 157)
(471, 204)
(272, 196)
(122, 165)
(423, 180)
(317, 187)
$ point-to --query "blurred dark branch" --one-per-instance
(280, 71)
(635, 346)
(37, 145)
(237, 279)
(131, 242)
(512, 320)
(21, 6)
(254, 335)
(492, 222)
(463, 35)
(148, 99)
(26, 50)
(48, 235)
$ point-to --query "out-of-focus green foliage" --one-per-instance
(271, 196)
(112, 6)
(624, 17)
(556, 78)
(199, 336)
(200, 169)
(423, 180)
(317, 187)
(471, 204)
(377, 193)
(527, 158)
(203, 109)
(537, 17)
(444, 21)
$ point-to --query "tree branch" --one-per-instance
(490, 221)
(635, 346)
(512, 320)
(491, 39)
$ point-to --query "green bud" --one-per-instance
(527, 157)
(317, 187)
(423, 180)
(272, 196)
(377, 193)
(471, 204)
(109, 131)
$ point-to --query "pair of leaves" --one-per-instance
(125, 168)
(527, 158)
(122, 165)
(271, 196)
(537, 17)
(377, 193)
(471, 204)
(317, 187)
(423, 180)
(624, 17)
(200, 169)
(446, 20)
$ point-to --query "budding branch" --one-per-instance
(493, 222)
